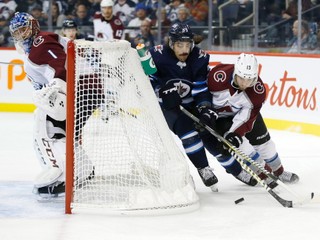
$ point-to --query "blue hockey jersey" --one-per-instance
(190, 77)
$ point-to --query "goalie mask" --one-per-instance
(246, 67)
(23, 29)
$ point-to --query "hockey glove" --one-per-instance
(207, 116)
(234, 138)
(170, 97)
(52, 99)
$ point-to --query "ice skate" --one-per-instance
(209, 178)
(288, 177)
(285, 176)
(246, 178)
(52, 189)
(51, 193)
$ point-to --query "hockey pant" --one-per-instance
(260, 138)
(213, 146)
(184, 128)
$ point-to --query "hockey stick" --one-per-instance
(242, 158)
(10, 63)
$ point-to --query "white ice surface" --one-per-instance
(258, 217)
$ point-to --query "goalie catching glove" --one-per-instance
(207, 116)
(170, 97)
(51, 98)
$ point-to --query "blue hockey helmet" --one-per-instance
(180, 32)
(23, 29)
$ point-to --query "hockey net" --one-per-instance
(115, 126)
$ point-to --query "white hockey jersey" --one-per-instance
(105, 30)
(243, 106)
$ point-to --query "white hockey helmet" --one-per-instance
(246, 67)
(106, 3)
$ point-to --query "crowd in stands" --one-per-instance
(140, 21)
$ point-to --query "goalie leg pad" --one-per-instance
(49, 151)
(48, 177)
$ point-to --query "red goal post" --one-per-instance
(121, 155)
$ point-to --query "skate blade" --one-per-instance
(55, 198)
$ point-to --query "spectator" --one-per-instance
(245, 9)
(37, 13)
(215, 10)
(172, 9)
(308, 39)
(230, 12)
(27, 5)
(57, 17)
(198, 10)
(70, 10)
(93, 6)
(7, 9)
(184, 17)
(270, 11)
(292, 9)
(275, 11)
(62, 5)
(141, 14)
(106, 25)
(152, 7)
(82, 18)
(145, 36)
(124, 9)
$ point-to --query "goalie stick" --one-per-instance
(242, 158)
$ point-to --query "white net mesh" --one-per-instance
(120, 132)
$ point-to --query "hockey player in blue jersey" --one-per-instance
(182, 70)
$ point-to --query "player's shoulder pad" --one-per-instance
(198, 55)
(117, 21)
(44, 38)
(221, 72)
(158, 49)
(258, 91)
(200, 52)
(223, 67)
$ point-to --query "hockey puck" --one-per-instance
(239, 200)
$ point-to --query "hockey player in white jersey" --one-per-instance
(45, 68)
(107, 27)
(238, 94)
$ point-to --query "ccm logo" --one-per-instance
(49, 152)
